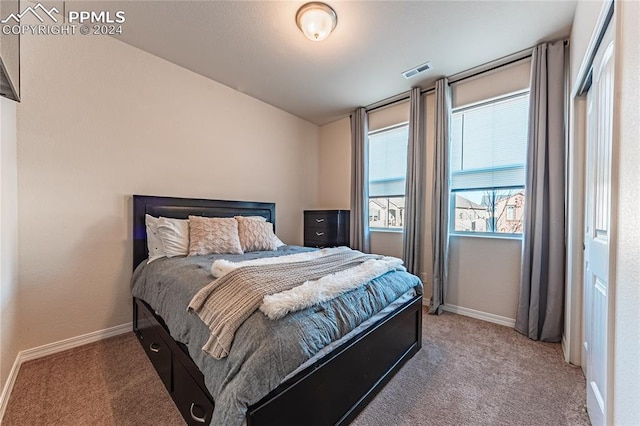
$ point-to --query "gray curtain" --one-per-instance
(414, 204)
(440, 203)
(359, 217)
(541, 301)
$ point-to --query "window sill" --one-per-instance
(386, 230)
(517, 237)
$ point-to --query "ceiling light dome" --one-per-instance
(316, 20)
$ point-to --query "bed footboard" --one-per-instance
(331, 392)
(339, 386)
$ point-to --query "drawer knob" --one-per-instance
(320, 220)
(319, 234)
(193, 416)
(154, 347)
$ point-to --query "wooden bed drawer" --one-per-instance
(191, 400)
(156, 348)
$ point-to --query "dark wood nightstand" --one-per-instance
(326, 228)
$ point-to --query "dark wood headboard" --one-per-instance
(181, 208)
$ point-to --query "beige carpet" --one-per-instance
(111, 382)
(471, 372)
(468, 372)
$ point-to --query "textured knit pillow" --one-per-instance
(213, 235)
(256, 234)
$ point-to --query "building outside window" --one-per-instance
(387, 176)
(487, 165)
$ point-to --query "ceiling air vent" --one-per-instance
(417, 70)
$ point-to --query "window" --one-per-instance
(387, 175)
(487, 166)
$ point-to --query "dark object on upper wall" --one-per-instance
(9, 53)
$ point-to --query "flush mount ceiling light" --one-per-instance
(316, 20)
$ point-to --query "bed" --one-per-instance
(330, 387)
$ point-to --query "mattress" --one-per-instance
(264, 352)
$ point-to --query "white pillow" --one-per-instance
(279, 242)
(154, 243)
(174, 234)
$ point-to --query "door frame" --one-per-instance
(576, 185)
(573, 332)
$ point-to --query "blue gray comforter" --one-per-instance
(264, 352)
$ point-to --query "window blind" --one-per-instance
(489, 145)
(388, 162)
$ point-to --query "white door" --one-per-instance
(597, 228)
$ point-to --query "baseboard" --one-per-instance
(53, 348)
(8, 386)
(74, 342)
(485, 316)
(426, 301)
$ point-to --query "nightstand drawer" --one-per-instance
(319, 234)
(325, 220)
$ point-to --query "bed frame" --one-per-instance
(331, 391)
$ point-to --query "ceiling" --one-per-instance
(256, 47)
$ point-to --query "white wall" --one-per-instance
(334, 171)
(101, 120)
(626, 353)
(484, 274)
(388, 243)
(584, 22)
(8, 239)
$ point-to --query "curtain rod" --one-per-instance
(456, 78)
(388, 101)
(491, 66)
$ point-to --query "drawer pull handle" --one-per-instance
(154, 347)
(193, 416)
(319, 234)
(319, 220)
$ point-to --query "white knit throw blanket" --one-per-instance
(278, 286)
(222, 267)
(312, 292)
